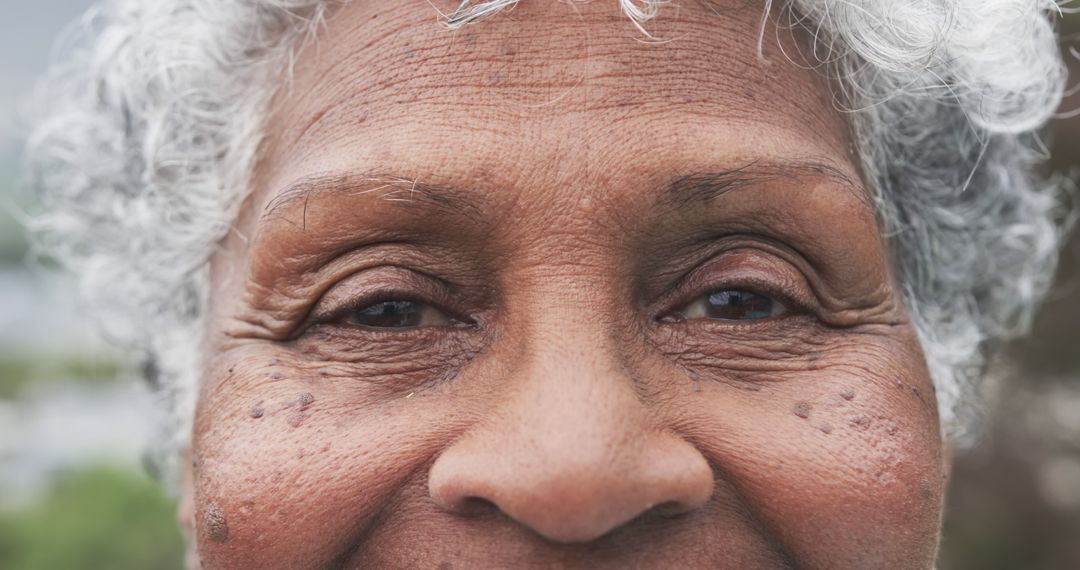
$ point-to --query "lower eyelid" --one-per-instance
(353, 338)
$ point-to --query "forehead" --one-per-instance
(566, 93)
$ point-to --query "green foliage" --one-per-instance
(98, 518)
(19, 370)
(12, 237)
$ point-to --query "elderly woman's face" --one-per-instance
(539, 293)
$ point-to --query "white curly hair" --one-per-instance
(149, 127)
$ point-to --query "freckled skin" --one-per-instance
(542, 180)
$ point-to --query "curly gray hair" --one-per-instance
(150, 127)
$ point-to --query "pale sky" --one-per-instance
(27, 32)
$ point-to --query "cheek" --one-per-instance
(290, 466)
(842, 459)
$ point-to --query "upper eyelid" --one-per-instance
(789, 308)
(699, 282)
(407, 332)
(401, 283)
(345, 309)
(398, 282)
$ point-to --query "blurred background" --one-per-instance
(74, 492)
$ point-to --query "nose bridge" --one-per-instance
(570, 364)
(576, 392)
(571, 451)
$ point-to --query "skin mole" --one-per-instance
(860, 422)
(295, 418)
(298, 407)
(216, 526)
(304, 400)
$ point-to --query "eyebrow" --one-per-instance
(403, 192)
(703, 187)
(687, 191)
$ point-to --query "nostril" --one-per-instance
(669, 509)
(475, 507)
(570, 493)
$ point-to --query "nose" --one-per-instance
(573, 453)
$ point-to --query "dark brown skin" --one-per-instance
(557, 200)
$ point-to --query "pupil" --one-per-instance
(739, 305)
(389, 314)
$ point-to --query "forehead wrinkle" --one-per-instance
(401, 192)
(422, 66)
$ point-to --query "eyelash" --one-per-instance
(339, 315)
(357, 304)
(700, 282)
(789, 307)
(706, 279)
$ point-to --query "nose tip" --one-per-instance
(573, 497)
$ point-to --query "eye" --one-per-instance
(397, 314)
(733, 305)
